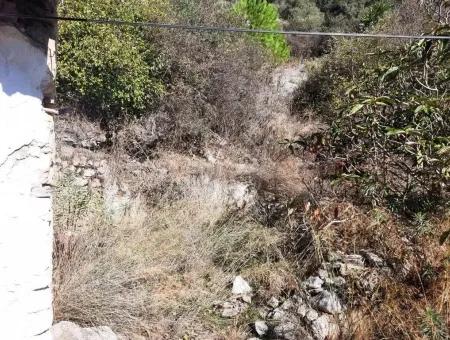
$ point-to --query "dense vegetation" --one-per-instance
(358, 160)
(116, 72)
(262, 15)
(109, 70)
(347, 15)
(388, 108)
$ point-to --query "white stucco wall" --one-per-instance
(26, 142)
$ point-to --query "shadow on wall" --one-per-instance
(40, 34)
(23, 67)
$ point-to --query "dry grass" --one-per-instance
(412, 301)
(156, 272)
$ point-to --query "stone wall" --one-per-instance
(26, 151)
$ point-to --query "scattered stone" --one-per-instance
(314, 283)
(65, 330)
(323, 274)
(89, 173)
(80, 182)
(349, 269)
(273, 302)
(328, 302)
(322, 328)
(240, 286)
(277, 314)
(246, 298)
(96, 183)
(231, 309)
(285, 331)
(372, 259)
(338, 281)
(355, 259)
(261, 328)
(286, 305)
(302, 310)
(335, 256)
(311, 315)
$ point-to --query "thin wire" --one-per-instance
(221, 29)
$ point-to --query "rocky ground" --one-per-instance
(311, 306)
(315, 311)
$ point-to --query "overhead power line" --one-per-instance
(221, 29)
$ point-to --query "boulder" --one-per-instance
(261, 328)
(313, 283)
(302, 310)
(240, 286)
(323, 328)
(277, 314)
(311, 315)
(273, 302)
(66, 330)
(328, 302)
(285, 330)
(231, 309)
(287, 305)
(323, 274)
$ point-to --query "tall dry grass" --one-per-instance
(157, 271)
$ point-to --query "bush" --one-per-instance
(262, 15)
(300, 14)
(389, 115)
(375, 12)
(109, 71)
(212, 77)
(347, 15)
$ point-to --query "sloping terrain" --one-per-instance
(247, 201)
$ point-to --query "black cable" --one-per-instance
(220, 29)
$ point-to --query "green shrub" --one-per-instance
(433, 325)
(262, 15)
(348, 15)
(108, 71)
(300, 14)
(389, 114)
(375, 12)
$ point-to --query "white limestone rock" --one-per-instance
(232, 309)
(323, 328)
(66, 330)
(311, 315)
(286, 330)
(313, 283)
(261, 328)
(273, 302)
(240, 286)
(328, 302)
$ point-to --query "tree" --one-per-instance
(301, 14)
(106, 70)
(260, 14)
